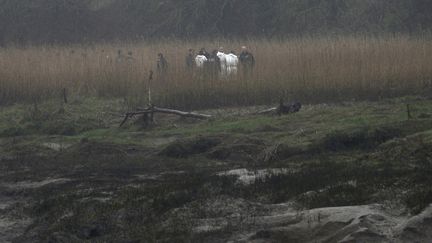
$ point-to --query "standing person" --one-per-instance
(120, 57)
(223, 62)
(201, 64)
(232, 63)
(105, 58)
(162, 65)
(129, 58)
(212, 66)
(190, 60)
(247, 61)
(203, 52)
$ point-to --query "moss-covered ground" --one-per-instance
(80, 177)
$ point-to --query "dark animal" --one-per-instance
(286, 109)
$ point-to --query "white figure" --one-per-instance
(200, 60)
(231, 63)
(223, 62)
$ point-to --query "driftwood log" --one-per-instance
(149, 112)
(283, 109)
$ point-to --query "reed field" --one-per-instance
(306, 69)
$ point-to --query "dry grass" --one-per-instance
(308, 69)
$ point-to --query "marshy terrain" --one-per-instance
(348, 171)
(215, 121)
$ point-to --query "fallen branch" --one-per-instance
(182, 113)
(270, 110)
(153, 109)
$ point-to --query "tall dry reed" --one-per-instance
(307, 69)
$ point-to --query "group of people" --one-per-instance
(216, 64)
(121, 58)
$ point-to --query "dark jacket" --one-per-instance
(190, 61)
(247, 59)
(162, 65)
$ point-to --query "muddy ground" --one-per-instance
(346, 172)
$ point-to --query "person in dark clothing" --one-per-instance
(247, 61)
(120, 57)
(203, 52)
(190, 60)
(212, 66)
(162, 65)
(129, 58)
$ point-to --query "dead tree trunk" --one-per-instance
(148, 114)
(181, 113)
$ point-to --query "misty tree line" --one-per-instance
(88, 20)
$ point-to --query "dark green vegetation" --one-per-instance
(88, 180)
(89, 20)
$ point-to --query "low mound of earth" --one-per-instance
(348, 172)
(283, 223)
